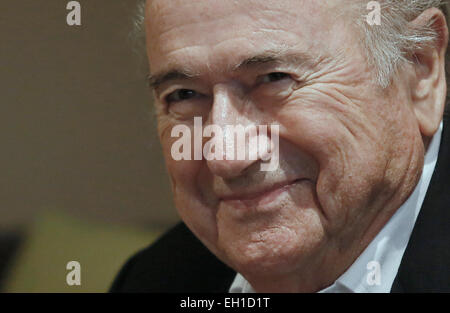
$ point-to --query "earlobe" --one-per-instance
(429, 89)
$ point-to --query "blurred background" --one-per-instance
(81, 172)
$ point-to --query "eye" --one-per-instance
(273, 77)
(181, 95)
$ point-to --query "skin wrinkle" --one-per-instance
(348, 128)
(340, 155)
(180, 50)
(385, 200)
(344, 117)
(336, 148)
(168, 33)
(338, 100)
(202, 20)
(365, 233)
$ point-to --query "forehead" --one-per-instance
(209, 32)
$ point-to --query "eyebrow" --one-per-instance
(297, 58)
(155, 81)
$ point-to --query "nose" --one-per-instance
(238, 152)
(239, 134)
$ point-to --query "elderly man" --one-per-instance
(359, 201)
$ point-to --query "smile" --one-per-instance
(261, 197)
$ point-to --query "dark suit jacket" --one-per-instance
(179, 262)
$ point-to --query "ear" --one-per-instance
(429, 88)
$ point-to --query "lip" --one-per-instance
(261, 197)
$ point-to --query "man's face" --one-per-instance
(298, 65)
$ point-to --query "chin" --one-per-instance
(271, 248)
(262, 259)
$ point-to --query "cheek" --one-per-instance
(348, 148)
(191, 205)
(182, 171)
(189, 202)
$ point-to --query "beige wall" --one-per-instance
(76, 130)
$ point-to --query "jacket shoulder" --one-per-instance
(176, 262)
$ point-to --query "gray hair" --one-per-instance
(392, 43)
(388, 46)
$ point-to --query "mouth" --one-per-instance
(262, 197)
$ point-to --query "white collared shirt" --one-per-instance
(376, 268)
